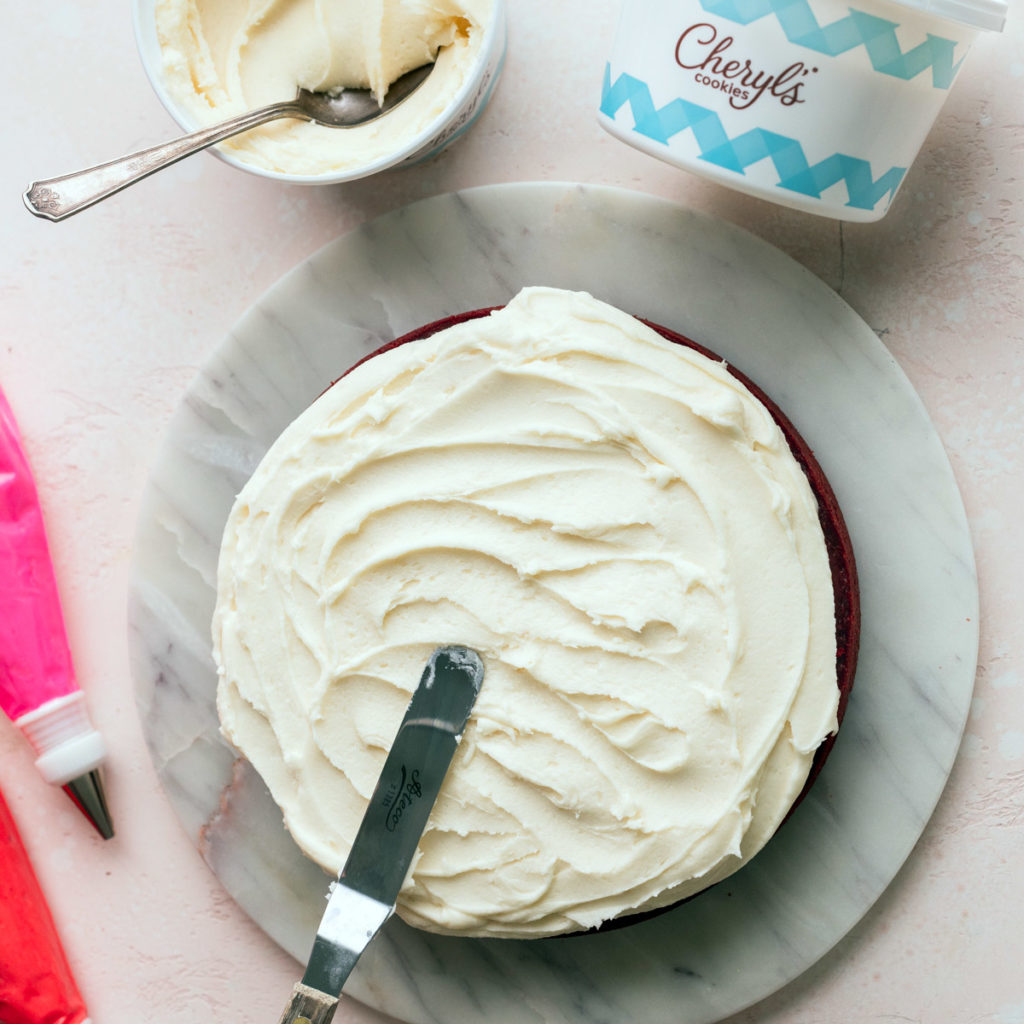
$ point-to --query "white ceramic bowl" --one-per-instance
(457, 117)
(819, 105)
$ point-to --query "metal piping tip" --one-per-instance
(87, 793)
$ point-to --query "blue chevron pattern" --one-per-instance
(795, 173)
(876, 35)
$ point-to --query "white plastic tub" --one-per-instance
(814, 104)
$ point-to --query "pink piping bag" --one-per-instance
(38, 689)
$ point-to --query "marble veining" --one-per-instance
(753, 933)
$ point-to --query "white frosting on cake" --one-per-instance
(223, 57)
(620, 529)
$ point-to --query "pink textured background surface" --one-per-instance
(106, 318)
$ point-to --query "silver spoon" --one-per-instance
(57, 198)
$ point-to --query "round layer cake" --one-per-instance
(648, 560)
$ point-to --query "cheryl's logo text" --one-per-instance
(701, 49)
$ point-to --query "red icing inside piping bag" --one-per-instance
(36, 985)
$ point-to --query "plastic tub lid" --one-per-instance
(986, 14)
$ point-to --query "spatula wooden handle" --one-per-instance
(309, 1006)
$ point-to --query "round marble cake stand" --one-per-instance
(780, 325)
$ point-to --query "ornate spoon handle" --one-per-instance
(57, 198)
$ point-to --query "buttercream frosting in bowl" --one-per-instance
(620, 528)
(220, 58)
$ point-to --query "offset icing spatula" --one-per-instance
(364, 895)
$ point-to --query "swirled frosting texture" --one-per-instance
(619, 527)
(223, 57)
